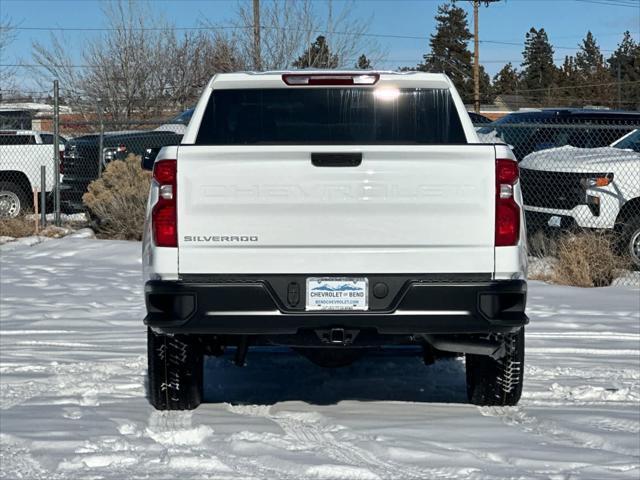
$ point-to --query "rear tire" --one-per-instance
(13, 200)
(630, 239)
(497, 382)
(175, 371)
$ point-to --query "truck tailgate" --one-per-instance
(268, 209)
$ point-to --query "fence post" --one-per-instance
(43, 196)
(101, 143)
(35, 207)
(56, 151)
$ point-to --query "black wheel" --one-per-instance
(497, 382)
(630, 239)
(175, 371)
(13, 200)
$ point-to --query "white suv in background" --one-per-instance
(594, 188)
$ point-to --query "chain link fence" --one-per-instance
(87, 154)
(578, 179)
(29, 158)
(581, 191)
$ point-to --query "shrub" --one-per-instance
(17, 227)
(542, 244)
(118, 199)
(588, 259)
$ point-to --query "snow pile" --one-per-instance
(73, 406)
(51, 232)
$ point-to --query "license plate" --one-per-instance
(337, 293)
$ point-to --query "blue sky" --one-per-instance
(566, 22)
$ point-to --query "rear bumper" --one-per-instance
(266, 306)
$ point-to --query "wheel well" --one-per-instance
(20, 179)
(628, 210)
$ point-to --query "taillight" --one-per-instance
(507, 228)
(164, 215)
(61, 162)
(311, 79)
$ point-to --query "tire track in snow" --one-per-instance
(78, 379)
(589, 335)
(308, 431)
(551, 431)
(621, 425)
(17, 462)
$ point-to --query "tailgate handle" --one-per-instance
(336, 159)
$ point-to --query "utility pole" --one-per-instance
(619, 86)
(476, 59)
(257, 60)
(476, 52)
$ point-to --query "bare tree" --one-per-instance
(288, 27)
(140, 67)
(7, 36)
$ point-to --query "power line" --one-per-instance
(385, 60)
(612, 3)
(173, 87)
(265, 27)
(586, 85)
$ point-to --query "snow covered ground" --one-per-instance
(72, 397)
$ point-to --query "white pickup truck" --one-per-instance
(334, 212)
(22, 153)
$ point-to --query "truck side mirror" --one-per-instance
(149, 157)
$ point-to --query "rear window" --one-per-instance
(17, 140)
(347, 116)
(47, 139)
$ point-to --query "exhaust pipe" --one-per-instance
(479, 346)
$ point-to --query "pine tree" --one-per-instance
(539, 71)
(589, 55)
(566, 80)
(505, 82)
(363, 63)
(624, 66)
(487, 93)
(592, 75)
(318, 55)
(449, 52)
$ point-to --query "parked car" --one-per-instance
(177, 124)
(478, 119)
(22, 153)
(596, 188)
(532, 130)
(82, 157)
(288, 222)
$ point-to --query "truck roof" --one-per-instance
(274, 79)
(24, 132)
